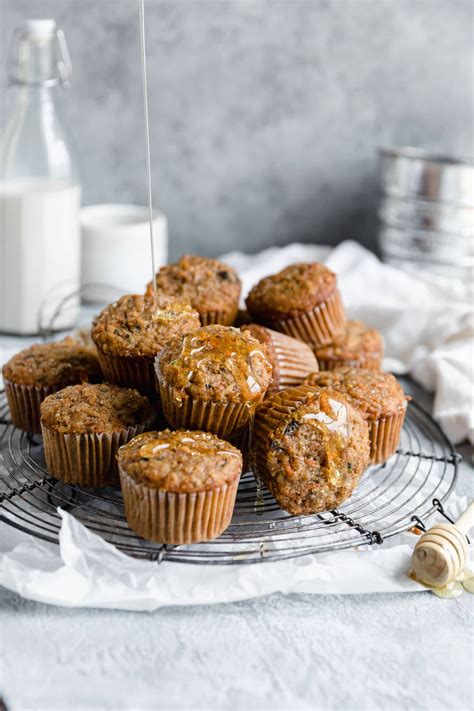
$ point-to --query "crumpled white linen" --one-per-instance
(427, 322)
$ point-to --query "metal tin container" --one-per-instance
(425, 245)
(426, 212)
(420, 215)
(417, 174)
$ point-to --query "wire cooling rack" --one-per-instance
(389, 499)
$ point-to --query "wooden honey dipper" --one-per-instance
(441, 553)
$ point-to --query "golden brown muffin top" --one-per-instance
(95, 409)
(180, 461)
(357, 340)
(315, 445)
(59, 363)
(218, 363)
(210, 285)
(135, 326)
(292, 292)
(374, 392)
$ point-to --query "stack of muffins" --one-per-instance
(297, 391)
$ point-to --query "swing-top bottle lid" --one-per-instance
(39, 55)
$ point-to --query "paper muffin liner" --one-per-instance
(129, 372)
(225, 318)
(373, 362)
(225, 419)
(294, 361)
(319, 326)
(268, 419)
(177, 519)
(86, 459)
(24, 402)
(384, 435)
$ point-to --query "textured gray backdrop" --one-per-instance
(266, 115)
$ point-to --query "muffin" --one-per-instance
(380, 398)
(358, 347)
(179, 487)
(213, 379)
(41, 370)
(302, 301)
(130, 332)
(84, 425)
(292, 360)
(310, 448)
(212, 287)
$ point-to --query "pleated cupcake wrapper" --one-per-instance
(384, 435)
(225, 419)
(368, 362)
(24, 402)
(129, 372)
(225, 318)
(86, 459)
(266, 421)
(177, 519)
(294, 361)
(318, 327)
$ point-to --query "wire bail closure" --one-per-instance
(62, 60)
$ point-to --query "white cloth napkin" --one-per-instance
(427, 322)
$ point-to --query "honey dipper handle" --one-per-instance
(466, 520)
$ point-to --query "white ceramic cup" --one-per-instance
(116, 247)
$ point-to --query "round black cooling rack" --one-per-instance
(408, 488)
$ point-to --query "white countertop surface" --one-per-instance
(407, 651)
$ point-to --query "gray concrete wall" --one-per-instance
(265, 115)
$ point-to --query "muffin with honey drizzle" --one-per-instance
(130, 332)
(179, 487)
(379, 397)
(212, 287)
(213, 379)
(310, 447)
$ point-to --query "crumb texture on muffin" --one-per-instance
(181, 461)
(358, 342)
(94, 409)
(218, 363)
(292, 292)
(311, 447)
(59, 363)
(136, 326)
(374, 392)
(209, 284)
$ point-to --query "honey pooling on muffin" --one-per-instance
(202, 353)
(333, 428)
(310, 448)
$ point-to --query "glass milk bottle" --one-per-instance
(39, 190)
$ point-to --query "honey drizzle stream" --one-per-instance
(147, 145)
